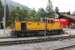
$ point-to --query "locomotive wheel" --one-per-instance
(43, 33)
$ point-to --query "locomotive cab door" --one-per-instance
(23, 26)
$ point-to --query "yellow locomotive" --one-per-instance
(37, 28)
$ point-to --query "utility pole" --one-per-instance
(46, 26)
(4, 18)
(48, 9)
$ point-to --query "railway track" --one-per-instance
(15, 41)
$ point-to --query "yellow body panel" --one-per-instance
(35, 26)
(54, 26)
(50, 26)
(18, 26)
(42, 26)
(39, 26)
(57, 25)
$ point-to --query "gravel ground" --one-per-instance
(73, 48)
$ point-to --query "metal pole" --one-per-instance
(4, 18)
(45, 26)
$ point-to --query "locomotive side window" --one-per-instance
(50, 21)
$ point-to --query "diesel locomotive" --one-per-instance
(37, 28)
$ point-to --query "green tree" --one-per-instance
(40, 13)
(19, 13)
(1, 10)
(49, 9)
(32, 14)
(57, 10)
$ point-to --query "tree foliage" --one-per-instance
(40, 13)
(1, 10)
(32, 14)
(19, 14)
(49, 9)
